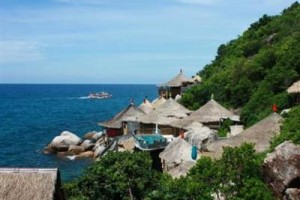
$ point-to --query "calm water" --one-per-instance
(32, 115)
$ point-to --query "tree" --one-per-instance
(118, 176)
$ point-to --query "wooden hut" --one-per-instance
(259, 134)
(124, 122)
(173, 87)
(30, 184)
(211, 114)
(164, 115)
(295, 91)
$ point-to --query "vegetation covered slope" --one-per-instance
(253, 71)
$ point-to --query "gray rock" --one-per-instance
(292, 194)
(99, 151)
(128, 144)
(281, 168)
(65, 138)
(87, 145)
(89, 135)
(176, 158)
(75, 149)
(98, 135)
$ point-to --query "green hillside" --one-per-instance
(253, 71)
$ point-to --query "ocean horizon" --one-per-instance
(33, 114)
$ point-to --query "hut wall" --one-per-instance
(168, 130)
(163, 92)
(212, 125)
(113, 132)
(146, 128)
(174, 91)
(131, 126)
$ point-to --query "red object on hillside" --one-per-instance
(274, 107)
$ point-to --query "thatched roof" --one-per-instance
(130, 114)
(176, 152)
(212, 111)
(295, 88)
(146, 106)
(158, 101)
(182, 123)
(30, 184)
(259, 134)
(176, 81)
(165, 113)
(199, 135)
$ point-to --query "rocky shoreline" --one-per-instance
(92, 145)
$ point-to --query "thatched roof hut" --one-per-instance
(146, 106)
(130, 114)
(165, 113)
(295, 88)
(30, 184)
(176, 81)
(259, 134)
(157, 102)
(174, 86)
(211, 112)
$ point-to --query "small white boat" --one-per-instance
(99, 95)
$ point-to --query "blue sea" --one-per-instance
(31, 115)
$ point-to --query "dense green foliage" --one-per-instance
(290, 129)
(237, 175)
(225, 128)
(116, 176)
(253, 71)
(129, 176)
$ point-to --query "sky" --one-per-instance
(118, 41)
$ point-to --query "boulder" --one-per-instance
(98, 135)
(181, 169)
(99, 150)
(87, 154)
(65, 138)
(87, 145)
(128, 144)
(75, 149)
(177, 155)
(89, 135)
(281, 168)
(49, 150)
(292, 194)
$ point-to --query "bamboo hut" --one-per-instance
(211, 114)
(124, 122)
(259, 134)
(146, 106)
(30, 184)
(164, 115)
(173, 87)
(295, 91)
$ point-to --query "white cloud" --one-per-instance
(15, 51)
